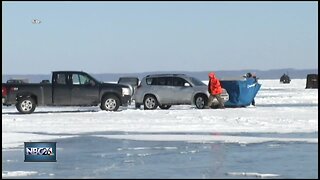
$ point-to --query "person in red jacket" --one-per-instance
(215, 90)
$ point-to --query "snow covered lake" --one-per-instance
(277, 138)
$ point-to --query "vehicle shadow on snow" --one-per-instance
(45, 112)
(288, 105)
(122, 133)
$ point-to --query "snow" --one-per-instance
(6, 174)
(252, 174)
(280, 108)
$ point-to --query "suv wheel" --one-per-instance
(110, 103)
(165, 106)
(26, 105)
(150, 102)
(200, 101)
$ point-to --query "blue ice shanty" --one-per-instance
(241, 92)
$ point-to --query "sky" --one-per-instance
(134, 37)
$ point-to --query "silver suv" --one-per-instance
(164, 90)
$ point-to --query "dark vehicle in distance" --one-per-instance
(285, 79)
(68, 88)
(312, 81)
(45, 81)
(18, 81)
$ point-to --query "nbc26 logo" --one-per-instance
(40, 152)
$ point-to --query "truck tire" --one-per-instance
(165, 106)
(200, 101)
(110, 103)
(150, 102)
(26, 105)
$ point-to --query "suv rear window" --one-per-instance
(149, 81)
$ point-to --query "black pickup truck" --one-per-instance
(68, 88)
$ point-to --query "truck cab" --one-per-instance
(74, 88)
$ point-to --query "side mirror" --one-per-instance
(186, 85)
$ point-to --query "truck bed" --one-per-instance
(42, 91)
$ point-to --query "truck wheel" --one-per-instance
(110, 103)
(26, 105)
(150, 102)
(200, 101)
(165, 106)
(102, 107)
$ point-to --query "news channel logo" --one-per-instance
(40, 152)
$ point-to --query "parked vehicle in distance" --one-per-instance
(45, 81)
(164, 90)
(285, 79)
(17, 81)
(312, 81)
(68, 88)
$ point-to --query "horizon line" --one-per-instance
(167, 71)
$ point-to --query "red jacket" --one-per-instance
(214, 86)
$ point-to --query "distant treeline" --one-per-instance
(202, 75)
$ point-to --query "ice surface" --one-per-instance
(8, 174)
(280, 108)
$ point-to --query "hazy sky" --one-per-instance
(129, 37)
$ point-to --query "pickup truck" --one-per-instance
(68, 88)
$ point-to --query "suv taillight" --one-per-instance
(4, 91)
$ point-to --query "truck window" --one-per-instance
(75, 79)
(61, 79)
(79, 79)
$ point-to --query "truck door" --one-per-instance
(61, 89)
(84, 90)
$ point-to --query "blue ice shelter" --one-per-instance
(241, 92)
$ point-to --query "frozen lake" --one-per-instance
(278, 138)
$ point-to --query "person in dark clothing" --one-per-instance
(249, 75)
